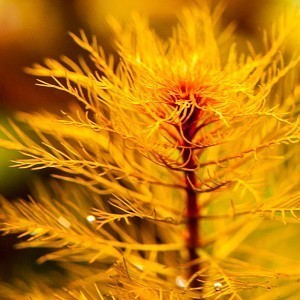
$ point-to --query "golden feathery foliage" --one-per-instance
(175, 172)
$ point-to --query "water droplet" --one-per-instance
(218, 286)
(180, 281)
(91, 218)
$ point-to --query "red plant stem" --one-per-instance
(192, 215)
(190, 118)
(193, 210)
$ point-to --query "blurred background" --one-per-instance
(31, 30)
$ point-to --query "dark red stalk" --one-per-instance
(192, 216)
(193, 240)
(190, 118)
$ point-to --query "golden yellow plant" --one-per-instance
(175, 165)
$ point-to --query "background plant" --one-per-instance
(179, 151)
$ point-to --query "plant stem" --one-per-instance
(192, 216)
(193, 210)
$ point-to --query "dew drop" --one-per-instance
(181, 282)
(91, 218)
(218, 286)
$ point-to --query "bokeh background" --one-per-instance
(31, 30)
